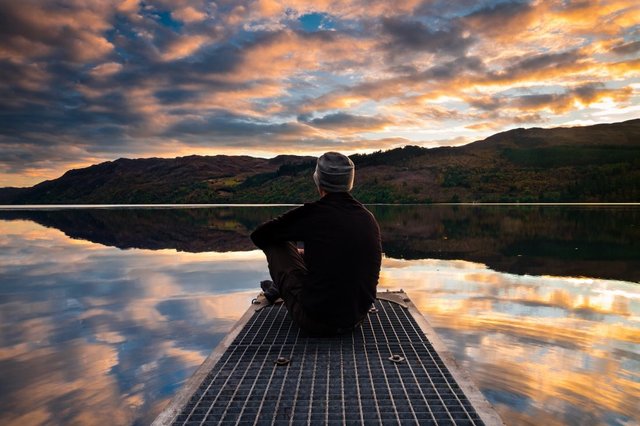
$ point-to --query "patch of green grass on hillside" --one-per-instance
(557, 156)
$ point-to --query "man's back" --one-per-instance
(342, 252)
(343, 255)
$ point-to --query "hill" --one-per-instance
(598, 163)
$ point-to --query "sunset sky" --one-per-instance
(83, 81)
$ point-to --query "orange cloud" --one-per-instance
(189, 14)
(106, 69)
(607, 18)
(184, 46)
(288, 53)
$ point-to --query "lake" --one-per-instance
(105, 312)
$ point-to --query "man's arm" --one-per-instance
(287, 227)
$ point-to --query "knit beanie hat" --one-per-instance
(334, 172)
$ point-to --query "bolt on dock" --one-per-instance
(392, 369)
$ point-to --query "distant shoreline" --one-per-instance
(178, 206)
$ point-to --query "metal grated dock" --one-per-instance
(385, 372)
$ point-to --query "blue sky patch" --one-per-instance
(316, 22)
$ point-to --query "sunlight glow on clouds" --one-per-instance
(84, 82)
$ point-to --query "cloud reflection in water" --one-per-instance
(544, 350)
(90, 332)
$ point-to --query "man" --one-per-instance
(330, 288)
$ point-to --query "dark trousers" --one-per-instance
(289, 273)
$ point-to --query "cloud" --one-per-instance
(453, 69)
(105, 69)
(40, 29)
(557, 102)
(542, 61)
(502, 20)
(431, 80)
(536, 66)
(183, 46)
(415, 35)
(127, 78)
(584, 95)
(627, 48)
(189, 14)
(348, 123)
(236, 128)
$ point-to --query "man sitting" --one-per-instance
(330, 289)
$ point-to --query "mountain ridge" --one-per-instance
(599, 163)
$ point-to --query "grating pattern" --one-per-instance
(346, 379)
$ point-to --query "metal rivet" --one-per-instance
(282, 361)
(373, 310)
(396, 358)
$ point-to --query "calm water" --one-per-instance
(104, 313)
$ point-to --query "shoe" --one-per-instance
(270, 291)
(264, 285)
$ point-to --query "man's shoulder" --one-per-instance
(302, 211)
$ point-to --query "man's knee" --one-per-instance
(285, 264)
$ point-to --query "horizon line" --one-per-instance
(214, 205)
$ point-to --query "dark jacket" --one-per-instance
(342, 251)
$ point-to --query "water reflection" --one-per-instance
(599, 242)
(90, 332)
(559, 349)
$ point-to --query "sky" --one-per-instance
(82, 82)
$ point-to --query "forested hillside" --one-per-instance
(598, 163)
